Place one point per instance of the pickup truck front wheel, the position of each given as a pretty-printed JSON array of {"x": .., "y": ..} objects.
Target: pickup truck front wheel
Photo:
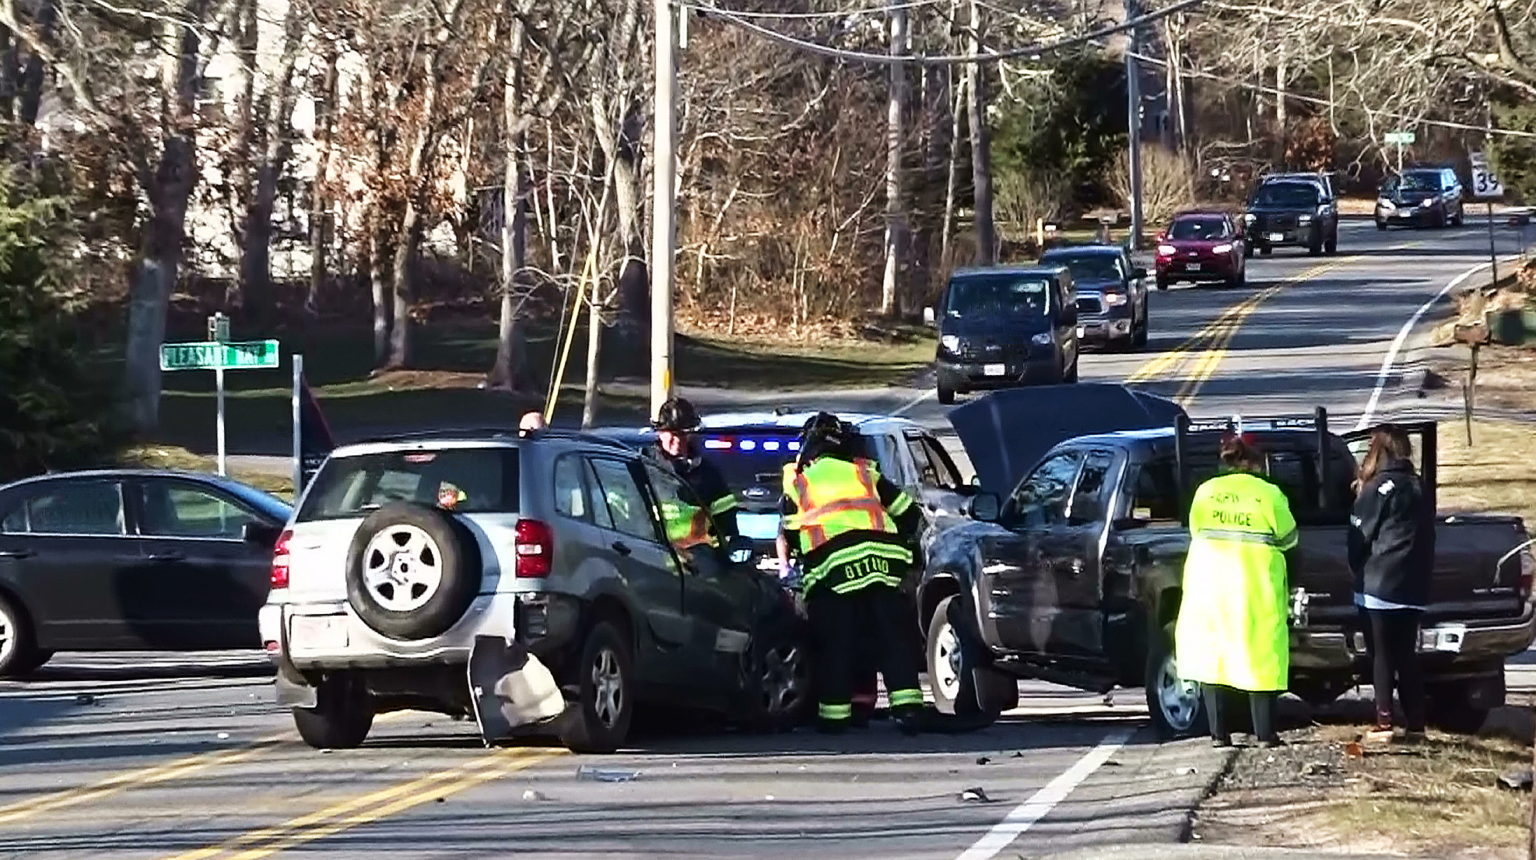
[
  {"x": 1175, "y": 704},
  {"x": 952, "y": 669}
]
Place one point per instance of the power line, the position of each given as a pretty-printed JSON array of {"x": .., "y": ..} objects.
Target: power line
[
  {"x": 1443, "y": 123},
  {"x": 845, "y": 13},
  {"x": 1029, "y": 51}
]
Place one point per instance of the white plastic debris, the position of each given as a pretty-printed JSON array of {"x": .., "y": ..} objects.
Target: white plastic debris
[
  {"x": 975, "y": 795},
  {"x": 223, "y": 736},
  {"x": 532, "y": 795},
  {"x": 606, "y": 775}
]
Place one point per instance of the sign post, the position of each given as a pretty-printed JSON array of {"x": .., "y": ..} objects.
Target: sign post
[
  {"x": 298, "y": 424},
  {"x": 1486, "y": 185},
  {"x": 218, "y": 332},
  {"x": 219, "y": 354},
  {"x": 1401, "y": 138}
]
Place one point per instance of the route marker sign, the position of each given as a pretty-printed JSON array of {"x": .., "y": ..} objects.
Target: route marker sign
[
  {"x": 211, "y": 355},
  {"x": 1485, "y": 183}
]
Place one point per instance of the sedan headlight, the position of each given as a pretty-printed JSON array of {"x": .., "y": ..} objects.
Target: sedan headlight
[
  {"x": 950, "y": 342},
  {"x": 1166, "y": 250},
  {"x": 1426, "y": 202},
  {"x": 1304, "y": 219},
  {"x": 1042, "y": 339},
  {"x": 1224, "y": 248},
  {"x": 1385, "y": 204}
]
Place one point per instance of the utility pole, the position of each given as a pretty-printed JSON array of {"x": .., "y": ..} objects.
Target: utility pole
[
  {"x": 895, "y": 213},
  {"x": 1133, "y": 122},
  {"x": 663, "y": 200}
]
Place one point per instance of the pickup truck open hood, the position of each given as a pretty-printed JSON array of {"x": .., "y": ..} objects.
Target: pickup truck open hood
[{"x": 1005, "y": 433}]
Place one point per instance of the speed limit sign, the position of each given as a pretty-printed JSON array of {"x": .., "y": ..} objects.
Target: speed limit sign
[{"x": 1485, "y": 183}]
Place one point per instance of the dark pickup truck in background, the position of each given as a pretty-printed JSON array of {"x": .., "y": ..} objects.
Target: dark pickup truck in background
[{"x": 1070, "y": 567}]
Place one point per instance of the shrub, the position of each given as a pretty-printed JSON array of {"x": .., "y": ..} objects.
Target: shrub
[
  {"x": 56, "y": 412},
  {"x": 1167, "y": 182}
]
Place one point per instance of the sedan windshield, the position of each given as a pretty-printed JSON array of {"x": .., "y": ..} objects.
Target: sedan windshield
[
  {"x": 1087, "y": 267},
  {"x": 1287, "y": 194},
  {"x": 1000, "y": 294},
  {"x": 1200, "y": 229}
]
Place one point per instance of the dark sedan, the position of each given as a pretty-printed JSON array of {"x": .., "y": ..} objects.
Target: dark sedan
[{"x": 131, "y": 560}]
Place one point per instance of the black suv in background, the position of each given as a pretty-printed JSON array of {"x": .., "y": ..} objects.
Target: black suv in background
[
  {"x": 1297, "y": 209},
  {"x": 1003, "y": 327},
  {"x": 1421, "y": 197}
]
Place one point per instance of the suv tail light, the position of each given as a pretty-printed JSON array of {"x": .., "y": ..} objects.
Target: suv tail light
[
  {"x": 535, "y": 549},
  {"x": 279, "y": 578}
]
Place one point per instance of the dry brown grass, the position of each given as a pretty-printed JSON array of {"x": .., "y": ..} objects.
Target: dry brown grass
[
  {"x": 1493, "y": 475},
  {"x": 1440, "y": 799},
  {"x": 180, "y": 459}
]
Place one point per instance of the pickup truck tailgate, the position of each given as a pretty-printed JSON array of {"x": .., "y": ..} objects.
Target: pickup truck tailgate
[{"x": 1469, "y": 582}]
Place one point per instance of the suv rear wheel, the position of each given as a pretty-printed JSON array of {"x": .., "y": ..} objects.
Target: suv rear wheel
[
  {"x": 342, "y": 715},
  {"x": 605, "y": 705},
  {"x": 412, "y": 571}
]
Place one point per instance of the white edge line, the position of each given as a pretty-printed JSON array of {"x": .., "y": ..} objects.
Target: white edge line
[
  {"x": 1039, "y": 804},
  {"x": 927, "y": 393},
  {"x": 1390, "y": 359}
]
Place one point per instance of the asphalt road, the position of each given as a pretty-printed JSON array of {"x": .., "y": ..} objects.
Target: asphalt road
[{"x": 185, "y": 755}]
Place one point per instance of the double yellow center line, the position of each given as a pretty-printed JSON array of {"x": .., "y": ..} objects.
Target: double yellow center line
[
  {"x": 136, "y": 778},
  {"x": 368, "y": 808},
  {"x": 1205, "y": 350}
]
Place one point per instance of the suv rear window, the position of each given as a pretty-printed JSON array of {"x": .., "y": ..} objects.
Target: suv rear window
[{"x": 468, "y": 480}]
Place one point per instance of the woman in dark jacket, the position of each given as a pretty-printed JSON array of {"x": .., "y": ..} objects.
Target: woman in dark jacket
[{"x": 1391, "y": 551}]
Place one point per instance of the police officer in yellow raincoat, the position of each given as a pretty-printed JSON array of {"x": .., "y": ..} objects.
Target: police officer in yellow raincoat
[{"x": 1231, "y": 633}]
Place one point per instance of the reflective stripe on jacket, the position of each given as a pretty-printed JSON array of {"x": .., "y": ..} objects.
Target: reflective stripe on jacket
[
  {"x": 1231, "y": 628},
  {"x": 846, "y": 534}
]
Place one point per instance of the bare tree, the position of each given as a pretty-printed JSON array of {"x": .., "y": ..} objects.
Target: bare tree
[{"x": 156, "y": 128}]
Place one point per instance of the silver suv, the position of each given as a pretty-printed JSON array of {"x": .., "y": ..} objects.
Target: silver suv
[{"x": 412, "y": 564}]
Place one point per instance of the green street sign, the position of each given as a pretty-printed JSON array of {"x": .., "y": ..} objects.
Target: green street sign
[
  {"x": 207, "y": 355},
  {"x": 1399, "y": 137}
]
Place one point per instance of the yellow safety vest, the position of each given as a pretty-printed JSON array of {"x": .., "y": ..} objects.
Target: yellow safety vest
[
  {"x": 1232, "y": 618},
  {"x": 686, "y": 526},
  {"x": 835, "y": 497}
]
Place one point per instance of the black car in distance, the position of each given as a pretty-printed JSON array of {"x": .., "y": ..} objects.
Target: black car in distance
[
  {"x": 1293, "y": 210},
  {"x": 1421, "y": 197},
  {"x": 1003, "y": 326},
  {"x": 132, "y": 560}
]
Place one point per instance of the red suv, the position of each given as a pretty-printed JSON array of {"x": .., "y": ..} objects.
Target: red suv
[{"x": 1202, "y": 246}]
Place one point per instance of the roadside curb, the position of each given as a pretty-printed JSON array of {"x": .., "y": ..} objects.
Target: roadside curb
[{"x": 1201, "y": 852}]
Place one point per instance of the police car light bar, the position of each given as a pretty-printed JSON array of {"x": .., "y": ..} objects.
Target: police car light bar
[{"x": 727, "y": 444}]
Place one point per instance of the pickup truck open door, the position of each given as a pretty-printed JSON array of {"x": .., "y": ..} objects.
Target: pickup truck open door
[{"x": 1043, "y": 587}]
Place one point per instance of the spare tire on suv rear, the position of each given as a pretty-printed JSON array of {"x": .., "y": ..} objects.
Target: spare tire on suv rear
[{"x": 412, "y": 571}]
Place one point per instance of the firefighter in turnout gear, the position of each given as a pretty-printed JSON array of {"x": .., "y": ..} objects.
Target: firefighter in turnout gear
[
  {"x": 853, "y": 531},
  {"x": 676, "y": 425}
]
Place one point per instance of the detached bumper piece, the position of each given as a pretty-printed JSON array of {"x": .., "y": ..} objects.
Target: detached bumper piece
[{"x": 510, "y": 688}]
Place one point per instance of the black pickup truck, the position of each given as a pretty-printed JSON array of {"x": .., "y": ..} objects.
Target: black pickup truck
[{"x": 1070, "y": 566}]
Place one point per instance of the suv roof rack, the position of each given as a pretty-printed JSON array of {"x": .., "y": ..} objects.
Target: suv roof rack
[
  {"x": 445, "y": 433},
  {"x": 1184, "y": 427}
]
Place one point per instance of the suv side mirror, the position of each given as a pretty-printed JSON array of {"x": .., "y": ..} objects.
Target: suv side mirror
[
  {"x": 1139, "y": 273},
  {"x": 929, "y": 317},
  {"x": 983, "y": 507}
]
